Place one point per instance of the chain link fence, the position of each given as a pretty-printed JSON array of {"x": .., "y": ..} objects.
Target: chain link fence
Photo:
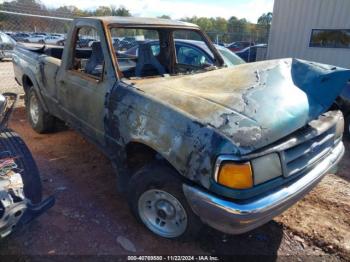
[{"x": 34, "y": 29}]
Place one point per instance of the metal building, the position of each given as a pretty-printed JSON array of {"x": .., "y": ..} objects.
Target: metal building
[{"x": 316, "y": 30}]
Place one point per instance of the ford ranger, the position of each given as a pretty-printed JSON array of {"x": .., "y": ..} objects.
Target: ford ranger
[{"x": 191, "y": 139}]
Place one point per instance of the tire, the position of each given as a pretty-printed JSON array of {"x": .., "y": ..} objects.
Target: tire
[
  {"x": 12, "y": 143},
  {"x": 41, "y": 121},
  {"x": 169, "y": 215}
]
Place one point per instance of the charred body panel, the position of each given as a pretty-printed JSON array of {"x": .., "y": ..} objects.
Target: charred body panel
[{"x": 191, "y": 120}]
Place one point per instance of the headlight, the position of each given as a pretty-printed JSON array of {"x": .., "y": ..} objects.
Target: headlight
[
  {"x": 235, "y": 175},
  {"x": 339, "y": 128},
  {"x": 245, "y": 175},
  {"x": 266, "y": 168}
]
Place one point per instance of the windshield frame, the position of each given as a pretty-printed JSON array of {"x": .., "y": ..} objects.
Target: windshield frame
[{"x": 218, "y": 60}]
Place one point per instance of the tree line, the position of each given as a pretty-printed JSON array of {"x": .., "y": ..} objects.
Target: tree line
[{"x": 218, "y": 28}]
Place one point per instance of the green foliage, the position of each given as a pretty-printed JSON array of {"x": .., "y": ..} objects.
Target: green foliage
[
  {"x": 265, "y": 19},
  {"x": 233, "y": 29}
]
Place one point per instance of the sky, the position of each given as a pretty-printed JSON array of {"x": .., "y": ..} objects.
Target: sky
[{"x": 176, "y": 9}]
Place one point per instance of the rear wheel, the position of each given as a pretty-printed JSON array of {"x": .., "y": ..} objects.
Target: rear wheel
[
  {"x": 11, "y": 142},
  {"x": 156, "y": 199},
  {"x": 41, "y": 121}
]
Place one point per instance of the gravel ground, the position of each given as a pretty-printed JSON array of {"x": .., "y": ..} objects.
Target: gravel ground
[
  {"x": 7, "y": 82},
  {"x": 91, "y": 218}
]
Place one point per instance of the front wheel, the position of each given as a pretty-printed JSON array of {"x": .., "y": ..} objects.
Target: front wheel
[
  {"x": 156, "y": 199},
  {"x": 41, "y": 121}
]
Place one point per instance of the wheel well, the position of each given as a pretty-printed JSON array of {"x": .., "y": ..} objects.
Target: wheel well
[
  {"x": 138, "y": 155},
  {"x": 27, "y": 83}
]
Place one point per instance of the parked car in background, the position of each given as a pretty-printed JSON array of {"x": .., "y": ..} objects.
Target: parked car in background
[
  {"x": 85, "y": 42},
  {"x": 7, "y": 44},
  {"x": 39, "y": 34},
  {"x": 193, "y": 52},
  {"x": 249, "y": 54},
  {"x": 36, "y": 39},
  {"x": 54, "y": 40},
  {"x": 239, "y": 45},
  {"x": 21, "y": 37}
]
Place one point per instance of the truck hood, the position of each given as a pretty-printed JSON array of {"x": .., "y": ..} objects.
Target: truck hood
[{"x": 252, "y": 104}]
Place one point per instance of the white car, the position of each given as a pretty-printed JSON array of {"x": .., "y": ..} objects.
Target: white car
[
  {"x": 54, "y": 40},
  {"x": 36, "y": 39}
]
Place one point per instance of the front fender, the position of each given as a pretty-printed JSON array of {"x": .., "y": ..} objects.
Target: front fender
[{"x": 190, "y": 147}]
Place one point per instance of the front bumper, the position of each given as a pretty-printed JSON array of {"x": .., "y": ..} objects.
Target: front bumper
[{"x": 240, "y": 217}]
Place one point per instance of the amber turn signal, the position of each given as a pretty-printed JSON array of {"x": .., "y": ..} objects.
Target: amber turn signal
[{"x": 236, "y": 175}]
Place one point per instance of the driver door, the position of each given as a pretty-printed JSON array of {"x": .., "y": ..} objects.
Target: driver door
[{"x": 84, "y": 80}]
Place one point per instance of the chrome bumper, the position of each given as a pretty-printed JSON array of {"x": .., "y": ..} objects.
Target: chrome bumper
[{"x": 236, "y": 218}]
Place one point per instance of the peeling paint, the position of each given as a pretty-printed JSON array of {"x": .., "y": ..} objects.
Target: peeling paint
[{"x": 190, "y": 120}]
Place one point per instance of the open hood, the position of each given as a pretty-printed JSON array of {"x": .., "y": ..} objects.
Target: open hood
[{"x": 253, "y": 104}]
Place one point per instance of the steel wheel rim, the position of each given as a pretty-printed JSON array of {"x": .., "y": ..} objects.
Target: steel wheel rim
[
  {"x": 162, "y": 213},
  {"x": 34, "y": 109}
]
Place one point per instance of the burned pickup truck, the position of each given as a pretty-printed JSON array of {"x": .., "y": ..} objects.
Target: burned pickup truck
[{"x": 191, "y": 139}]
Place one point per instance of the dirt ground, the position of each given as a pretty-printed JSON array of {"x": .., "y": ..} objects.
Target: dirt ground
[{"x": 91, "y": 218}]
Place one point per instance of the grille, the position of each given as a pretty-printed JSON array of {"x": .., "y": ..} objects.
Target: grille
[{"x": 306, "y": 154}]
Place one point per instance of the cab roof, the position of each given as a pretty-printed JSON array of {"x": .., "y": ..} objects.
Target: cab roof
[{"x": 143, "y": 21}]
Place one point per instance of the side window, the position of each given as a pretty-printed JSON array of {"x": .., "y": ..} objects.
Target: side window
[
  {"x": 190, "y": 55},
  {"x": 191, "y": 49},
  {"x": 88, "y": 55}
]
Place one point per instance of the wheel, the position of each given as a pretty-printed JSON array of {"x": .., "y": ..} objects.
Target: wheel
[
  {"x": 12, "y": 143},
  {"x": 156, "y": 199},
  {"x": 41, "y": 121}
]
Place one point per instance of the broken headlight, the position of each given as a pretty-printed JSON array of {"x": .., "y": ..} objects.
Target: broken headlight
[{"x": 266, "y": 168}]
